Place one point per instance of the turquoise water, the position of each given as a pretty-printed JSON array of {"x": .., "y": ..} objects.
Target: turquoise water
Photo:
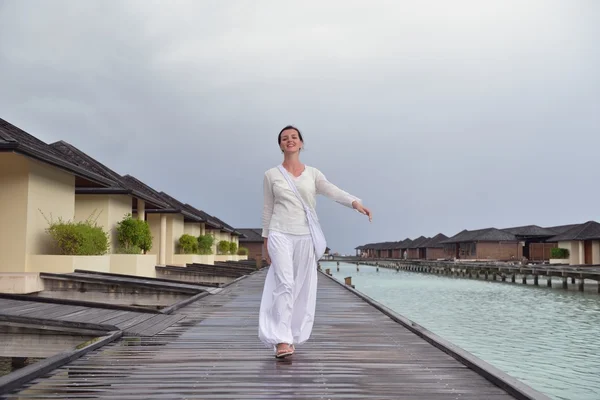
[{"x": 546, "y": 338}]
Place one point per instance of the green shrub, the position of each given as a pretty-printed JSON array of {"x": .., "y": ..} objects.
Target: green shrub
[
  {"x": 223, "y": 247},
  {"x": 205, "y": 243},
  {"x": 133, "y": 234},
  {"x": 557, "y": 252},
  {"x": 188, "y": 244},
  {"x": 233, "y": 248},
  {"x": 130, "y": 250},
  {"x": 83, "y": 238},
  {"x": 242, "y": 251}
]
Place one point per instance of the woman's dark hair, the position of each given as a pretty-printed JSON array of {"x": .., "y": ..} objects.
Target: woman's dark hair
[{"x": 285, "y": 129}]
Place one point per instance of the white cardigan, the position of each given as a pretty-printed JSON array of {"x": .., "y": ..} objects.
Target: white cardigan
[{"x": 283, "y": 212}]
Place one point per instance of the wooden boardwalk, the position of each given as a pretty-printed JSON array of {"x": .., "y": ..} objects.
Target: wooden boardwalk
[
  {"x": 356, "y": 352},
  {"x": 35, "y": 313},
  {"x": 499, "y": 271}
]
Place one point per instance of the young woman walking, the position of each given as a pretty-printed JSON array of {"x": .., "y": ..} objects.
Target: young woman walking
[{"x": 287, "y": 309}]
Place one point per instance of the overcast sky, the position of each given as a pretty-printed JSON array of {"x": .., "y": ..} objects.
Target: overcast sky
[{"x": 440, "y": 115}]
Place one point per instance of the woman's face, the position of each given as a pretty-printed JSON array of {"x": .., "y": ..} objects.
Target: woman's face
[{"x": 290, "y": 141}]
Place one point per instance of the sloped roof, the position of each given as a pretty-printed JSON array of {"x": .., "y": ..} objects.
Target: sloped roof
[
  {"x": 482, "y": 235},
  {"x": 530, "y": 230},
  {"x": 562, "y": 228},
  {"x": 210, "y": 220},
  {"x": 405, "y": 244},
  {"x": 180, "y": 207},
  {"x": 388, "y": 245},
  {"x": 83, "y": 160},
  {"x": 587, "y": 231},
  {"x": 417, "y": 242},
  {"x": 251, "y": 235},
  {"x": 141, "y": 187},
  {"x": 226, "y": 226},
  {"x": 366, "y": 246},
  {"x": 434, "y": 242},
  {"x": 17, "y": 140}
]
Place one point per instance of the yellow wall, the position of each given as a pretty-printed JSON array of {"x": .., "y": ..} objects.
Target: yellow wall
[
  {"x": 134, "y": 264},
  {"x": 217, "y": 234},
  {"x": 573, "y": 247},
  {"x": 192, "y": 228},
  {"x": 67, "y": 264},
  {"x": 14, "y": 173},
  {"x": 53, "y": 192},
  {"x": 175, "y": 228},
  {"x": 30, "y": 188},
  {"x": 154, "y": 222},
  {"x": 596, "y": 252},
  {"x": 108, "y": 210}
]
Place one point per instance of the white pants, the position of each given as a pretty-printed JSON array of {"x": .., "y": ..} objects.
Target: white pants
[{"x": 287, "y": 309}]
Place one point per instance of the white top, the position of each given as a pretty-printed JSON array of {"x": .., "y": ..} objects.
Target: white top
[{"x": 283, "y": 211}]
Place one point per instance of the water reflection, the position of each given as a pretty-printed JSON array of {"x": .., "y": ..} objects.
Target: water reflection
[{"x": 547, "y": 338}]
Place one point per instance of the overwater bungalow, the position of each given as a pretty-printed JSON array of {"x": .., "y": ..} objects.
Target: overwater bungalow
[
  {"x": 484, "y": 244},
  {"x": 582, "y": 241},
  {"x": 433, "y": 249}
]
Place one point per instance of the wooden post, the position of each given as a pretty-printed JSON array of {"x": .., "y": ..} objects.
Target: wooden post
[
  {"x": 524, "y": 279},
  {"x": 565, "y": 284},
  {"x": 503, "y": 277},
  {"x": 581, "y": 283},
  {"x": 348, "y": 281},
  {"x": 549, "y": 281},
  {"x": 573, "y": 280},
  {"x": 258, "y": 260},
  {"x": 535, "y": 280},
  {"x": 513, "y": 277},
  {"x": 18, "y": 362}
]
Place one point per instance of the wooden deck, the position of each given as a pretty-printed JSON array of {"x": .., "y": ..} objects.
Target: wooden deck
[
  {"x": 82, "y": 318},
  {"x": 356, "y": 352}
]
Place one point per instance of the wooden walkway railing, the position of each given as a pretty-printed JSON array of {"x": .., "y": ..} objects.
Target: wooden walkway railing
[{"x": 357, "y": 351}]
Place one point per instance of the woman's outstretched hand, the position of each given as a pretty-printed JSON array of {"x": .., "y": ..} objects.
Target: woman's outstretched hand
[{"x": 363, "y": 210}]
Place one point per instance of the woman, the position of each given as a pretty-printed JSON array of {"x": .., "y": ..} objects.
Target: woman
[{"x": 289, "y": 296}]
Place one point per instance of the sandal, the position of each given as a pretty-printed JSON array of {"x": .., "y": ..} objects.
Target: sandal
[{"x": 285, "y": 351}]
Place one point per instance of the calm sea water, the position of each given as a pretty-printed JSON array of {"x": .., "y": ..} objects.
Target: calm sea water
[{"x": 547, "y": 338}]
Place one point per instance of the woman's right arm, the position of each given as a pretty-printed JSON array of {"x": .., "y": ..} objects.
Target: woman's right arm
[{"x": 268, "y": 201}]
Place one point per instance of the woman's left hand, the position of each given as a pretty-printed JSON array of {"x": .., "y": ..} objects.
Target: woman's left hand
[{"x": 363, "y": 210}]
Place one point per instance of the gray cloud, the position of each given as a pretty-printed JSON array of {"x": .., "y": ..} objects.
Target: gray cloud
[{"x": 440, "y": 116}]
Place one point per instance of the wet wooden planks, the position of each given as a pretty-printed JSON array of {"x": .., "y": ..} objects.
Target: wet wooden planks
[
  {"x": 355, "y": 352},
  {"x": 131, "y": 322}
]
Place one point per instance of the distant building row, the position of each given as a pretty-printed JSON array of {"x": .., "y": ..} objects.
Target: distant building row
[
  {"x": 531, "y": 242},
  {"x": 40, "y": 181}
]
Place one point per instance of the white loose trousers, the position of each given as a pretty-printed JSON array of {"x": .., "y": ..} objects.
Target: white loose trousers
[{"x": 287, "y": 309}]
